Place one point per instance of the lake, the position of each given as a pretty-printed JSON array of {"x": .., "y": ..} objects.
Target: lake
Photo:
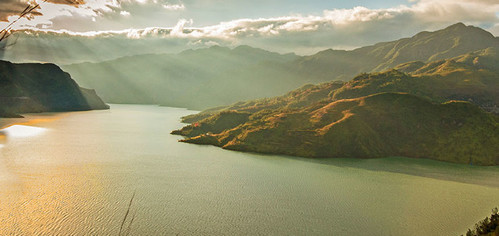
[{"x": 75, "y": 174}]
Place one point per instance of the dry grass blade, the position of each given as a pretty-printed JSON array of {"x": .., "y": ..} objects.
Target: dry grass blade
[
  {"x": 3, "y": 35},
  {"x": 5, "y": 32},
  {"x": 129, "y": 228},
  {"x": 126, "y": 214}
]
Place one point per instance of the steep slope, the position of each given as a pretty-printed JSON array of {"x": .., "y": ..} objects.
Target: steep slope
[
  {"x": 447, "y": 43},
  {"x": 470, "y": 77},
  {"x": 380, "y": 125},
  {"x": 42, "y": 87},
  {"x": 194, "y": 78}
]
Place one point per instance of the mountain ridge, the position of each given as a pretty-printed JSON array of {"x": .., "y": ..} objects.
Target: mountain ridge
[
  {"x": 425, "y": 46},
  {"x": 221, "y": 76}
]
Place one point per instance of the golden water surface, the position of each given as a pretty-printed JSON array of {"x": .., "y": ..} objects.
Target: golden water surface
[{"x": 75, "y": 173}]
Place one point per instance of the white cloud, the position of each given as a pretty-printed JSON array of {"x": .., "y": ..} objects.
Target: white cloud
[
  {"x": 89, "y": 9},
  {"x": 174, "y": 7},
  {"x": 452, "y": 10},
  {"x": 336, "y": 28},
  {"x": 125, "y": 13},
  {"x": 178, "y": 30},
  {"x": 361, "y": 14},
  {"x": 423, "y": 13}
]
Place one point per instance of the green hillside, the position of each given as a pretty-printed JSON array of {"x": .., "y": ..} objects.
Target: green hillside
[
  {"x": 472, "y": 77},
  {"x": 440, "y": 110},
  {"x": 380, "y": 125}
]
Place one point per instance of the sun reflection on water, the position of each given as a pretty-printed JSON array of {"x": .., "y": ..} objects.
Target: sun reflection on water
[
  {"x": 22, "y": 131},
  {"x": 3, "y": 138}
]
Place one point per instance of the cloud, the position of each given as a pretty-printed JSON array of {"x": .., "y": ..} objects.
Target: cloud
[
  {"x": 174, "y": 7},
  {"x": 124, "y": 13},
  {"x": 424, "y": 14},
  {"x": 452, "y": 10},
  {"x": 68, "y": 2},
  {"x": 11, "y": 7},
  {"x": 109, "y": 14},
  {"x": 304, "y": 34},
  {"x": 15, "y": 7}
]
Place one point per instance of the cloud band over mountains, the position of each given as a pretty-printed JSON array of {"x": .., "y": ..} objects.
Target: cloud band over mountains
[{"x": 304, "y": 34}]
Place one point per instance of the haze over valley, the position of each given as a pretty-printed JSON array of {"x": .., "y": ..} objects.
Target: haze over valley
[
  {"x": 163, "y": 117},
  {"x": 214, "y": 76}
]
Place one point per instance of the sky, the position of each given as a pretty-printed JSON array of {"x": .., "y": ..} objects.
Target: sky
[{"x": 302, "y": 26}]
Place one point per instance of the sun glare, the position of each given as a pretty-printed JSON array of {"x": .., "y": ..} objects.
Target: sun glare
[{"x": 22, "y": 131}]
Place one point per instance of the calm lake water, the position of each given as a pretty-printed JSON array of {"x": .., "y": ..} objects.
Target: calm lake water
[{"x": 75, "y": 173}]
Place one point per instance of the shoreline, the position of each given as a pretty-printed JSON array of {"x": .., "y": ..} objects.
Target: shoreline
[
  {"x": 30, "y": 119},
  {"x": 8, "y": 122}
]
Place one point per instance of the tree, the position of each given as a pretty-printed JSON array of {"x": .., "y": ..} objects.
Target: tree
[{"x": 487, "y": 226}]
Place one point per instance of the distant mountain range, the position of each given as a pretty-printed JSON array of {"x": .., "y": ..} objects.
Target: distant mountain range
[
  {"x": 441, "y": 109},
  {"x": 38, "y": 46},
  {"x": 425, "y": 46},
  {"x": 204, "y": 78},
  {"x": 194, "y": 79},
  {"x": 472, "y": 77},
  {"x": 27, "y": 88}
]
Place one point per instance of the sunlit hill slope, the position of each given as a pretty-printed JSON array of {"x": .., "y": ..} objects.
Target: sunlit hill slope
[{"x": 392, "y": 113}]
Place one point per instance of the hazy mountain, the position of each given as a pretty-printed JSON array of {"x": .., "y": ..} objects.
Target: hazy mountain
[
  {"x": 194, "y": 78},
  {"x": 450, "y": 42},
  {"x": 380, "y": 125},
  {"x": 66, "y": 48},
  {"x": 42, "y": 87},
  {"x": 220, "y": 76},
  {"x": 472, "y": 77}
]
